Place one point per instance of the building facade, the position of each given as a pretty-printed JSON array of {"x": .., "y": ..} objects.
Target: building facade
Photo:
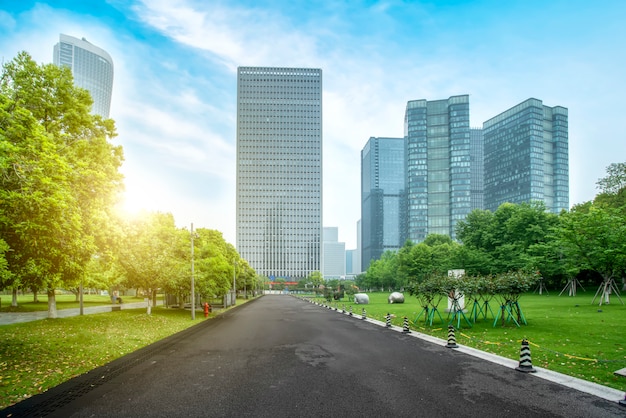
[
  {"x": 526, "y": 156},
  {"x": 92, "y": 68},
  {"x": 334, "y": 258},
  {"x": 438, "y": 182},
  {"x": 382, "y": 197},
  {"x": 279, "y": 170},
  {"x": 477, "y": 169}
]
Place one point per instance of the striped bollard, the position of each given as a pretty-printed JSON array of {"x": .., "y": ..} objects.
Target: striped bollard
[
  {"x": 405, "y": 326},
  {"x": 525, "y": 362},
  {"x": 350, "y": 310},
  {"x": 388, "y": 320},
  {"x": 451, "y": 337},
  {"x": 363, "y": 314},
  {"x": 343, "y": 308}
]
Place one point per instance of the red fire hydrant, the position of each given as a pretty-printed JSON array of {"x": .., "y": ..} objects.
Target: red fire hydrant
[{"x": 206, "y": 309}]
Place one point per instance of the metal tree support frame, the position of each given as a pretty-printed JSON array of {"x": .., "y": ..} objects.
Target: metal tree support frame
[
  {"x": 457, "y": 310},
  {"x": 479, "y": 308},
  {"x": 513, "y": 313},
  {"x": 541, "y": 287},
  {"x": 606, "y": 287},
  {"x": 571, "y": 286},
  {"x": 429, "y": 308}
]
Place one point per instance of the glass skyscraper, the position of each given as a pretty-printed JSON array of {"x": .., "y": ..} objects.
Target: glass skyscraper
[
  {"x": 92, "y": 68},
  {"x": 477, "y": 169},
  {"x": 279, "y": 170},
  {"x": 437, "y": 139},
  {"x": 382, "y": 197},
  {"x": 526, "y": 156}
]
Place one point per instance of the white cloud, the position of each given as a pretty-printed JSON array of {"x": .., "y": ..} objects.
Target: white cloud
[{"x": 177, "y": 118}]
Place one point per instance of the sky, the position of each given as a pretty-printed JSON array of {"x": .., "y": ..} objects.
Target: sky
[{"x": 175, "y": 82}]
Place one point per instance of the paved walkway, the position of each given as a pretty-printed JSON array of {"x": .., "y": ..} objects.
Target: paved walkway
[{"x": 7, "y": 318}]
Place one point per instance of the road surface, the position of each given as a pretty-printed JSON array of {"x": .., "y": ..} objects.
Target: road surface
[{"x": 279, "y": 356}]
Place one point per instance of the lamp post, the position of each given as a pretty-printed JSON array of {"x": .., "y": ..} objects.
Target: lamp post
[
  {"x": 193, "y": 295},
  {"x": 235, "y": 281}
]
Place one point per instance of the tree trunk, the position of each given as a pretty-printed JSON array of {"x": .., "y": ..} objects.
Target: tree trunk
[
  {"x": 149, "y": 305},
  {"x": 154, "y": 297},
  {"x": 52, "y": 304},
  {"x": 14, "y": 298},
  {"x": 35, "y": 294}
]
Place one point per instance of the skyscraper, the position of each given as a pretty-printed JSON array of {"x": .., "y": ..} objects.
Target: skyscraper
[
  {"x": 92, "y": 68},
  {"x": 334, "y": 260},
  {"x": 526, "y": 156},
  {"x": 279, "y": 170},
  {"x": 382, "y": 197},
  {"x": 477, "y": 169},
  {"x": 437, "y": 137}
]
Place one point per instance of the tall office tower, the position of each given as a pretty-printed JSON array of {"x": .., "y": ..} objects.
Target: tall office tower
[
  {"x": 334, "y": 260},
  {"x": 92, "y": 68},
  {"x": 382, "y": 197},
  {"x": 357, "y": 264},
  {"x": 477, "y": 169},
  {"x": 526, "y": 156},
  {"x": 437, "y": 137},
  {"x": 279, "y": 170}
]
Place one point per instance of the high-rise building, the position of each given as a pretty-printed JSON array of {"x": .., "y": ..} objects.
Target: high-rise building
[
  {"x": 92, "y": 68},
  {"x": 477, "y": 169},
  {"x": 357, "y": 265},
  {"x": 526, "y": 156},
  {"x": 334, "y": 259},
  {"x": 437, "y": 136},
  {"x": 382, "y": 197},
  {"x": 351, "y": 257},
  {"x": 279, "y": 170}
]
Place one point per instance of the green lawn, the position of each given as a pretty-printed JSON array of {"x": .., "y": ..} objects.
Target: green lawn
[
  {"x": 566, "y": 334},
  {"x": 25, "y": 303}
]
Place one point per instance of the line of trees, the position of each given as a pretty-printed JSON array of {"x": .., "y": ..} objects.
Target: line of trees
[
  {"x": 59, "y": 187},
  {"x": 587, "y": 242}
]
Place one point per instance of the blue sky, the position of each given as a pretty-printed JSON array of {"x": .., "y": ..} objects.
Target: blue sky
[{"x": 175, "y": 80}]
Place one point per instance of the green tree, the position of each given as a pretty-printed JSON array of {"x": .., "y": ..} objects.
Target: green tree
[
  {"x": 506, "y": 235},
  {"x": 61, "y": 174},
  {"x": 594, "y": 239},
  {"x": 152, "y": 254},
  {"x": 613, "y": 187},
  {"x": 316, "y": 279},
  {"x": 216, "y": 261}
]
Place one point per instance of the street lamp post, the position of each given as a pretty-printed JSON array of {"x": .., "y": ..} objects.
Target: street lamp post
[
  {"x": 193, "y": 295},
  {"x": 235, "y": 281}
]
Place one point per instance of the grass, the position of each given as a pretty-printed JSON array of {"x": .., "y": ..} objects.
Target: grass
[
  {"x": 568, "y": 335},
  {"x": 25, "y": 303},
  {"x": 38, "y": 355}
]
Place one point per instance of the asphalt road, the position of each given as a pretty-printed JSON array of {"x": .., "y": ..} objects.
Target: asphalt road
[{"x": 279, "y": 356}]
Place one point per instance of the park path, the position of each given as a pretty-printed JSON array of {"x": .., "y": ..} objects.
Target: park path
[{"x": 7, "y": 318}]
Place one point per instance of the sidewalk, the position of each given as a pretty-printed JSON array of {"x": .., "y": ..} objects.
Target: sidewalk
[{"x": 7, "y": 318}]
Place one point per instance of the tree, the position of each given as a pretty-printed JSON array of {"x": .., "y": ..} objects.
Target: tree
[
  {"x": 152, "y": 254},
  {"x": 613, "y": 187},
  {"x": 216, "y": 261},
  {"x": 506, "y": 235},
  {"x": 316, "y": 279},
  {"x": 594, "y": 239},
  {"x": 61, "y": 175}
]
